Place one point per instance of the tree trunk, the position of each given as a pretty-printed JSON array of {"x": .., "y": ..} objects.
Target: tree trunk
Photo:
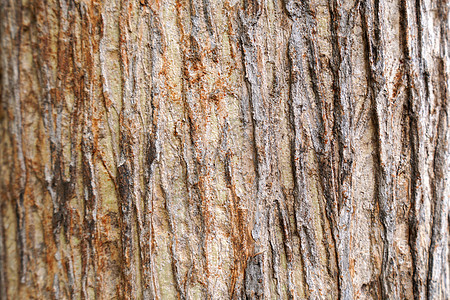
[{"x": 234, "y": 149}]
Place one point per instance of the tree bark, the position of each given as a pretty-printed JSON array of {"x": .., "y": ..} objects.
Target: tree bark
[{"x": 234, "y": 149}]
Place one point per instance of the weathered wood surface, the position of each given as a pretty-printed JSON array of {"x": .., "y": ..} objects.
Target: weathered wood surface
[{"x": 201, "y": 149}]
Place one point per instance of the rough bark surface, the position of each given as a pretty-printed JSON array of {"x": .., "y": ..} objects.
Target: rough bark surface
[{"x": 234, "y": 149}]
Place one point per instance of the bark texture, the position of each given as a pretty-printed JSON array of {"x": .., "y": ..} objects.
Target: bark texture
[{"x": 233, "y": 149}]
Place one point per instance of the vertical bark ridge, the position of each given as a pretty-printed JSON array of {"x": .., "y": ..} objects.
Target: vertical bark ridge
[
  {"x": 150, "y": 154},
  {"x": 346, "y": 17},
  {"x": 438, "y": 251},
  {"x": 372, "y": 33},
  {"x": 256, "y": 284},
  {"x": 415, "y": 178},
  {"x": 195, "y": 56},
  {"x": 18, "y": 177},
  {"x": 302, "y": 96},
  {"x": 383, "y": 112},
  {"x": 417, "y": 97},
  {"x": 131, "y": 140}
]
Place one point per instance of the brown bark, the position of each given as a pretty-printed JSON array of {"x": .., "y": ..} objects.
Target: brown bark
[{"x": 235, "y": 149}]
